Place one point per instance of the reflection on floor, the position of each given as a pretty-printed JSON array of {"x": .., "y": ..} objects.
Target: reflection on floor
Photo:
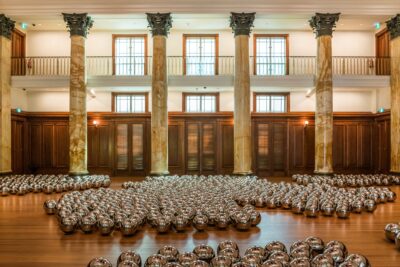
[{"x": 28, "y": 235}]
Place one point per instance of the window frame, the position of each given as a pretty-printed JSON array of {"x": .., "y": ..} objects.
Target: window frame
[
  {"x": 115, "y": 94},
  {"x": 255, "y": 36},
  {"x": 184, "y": 95},
  {"x": 187, "y": 36},
  {"x": 285, "y": 94},
  {"x": 144, "y": 36}
]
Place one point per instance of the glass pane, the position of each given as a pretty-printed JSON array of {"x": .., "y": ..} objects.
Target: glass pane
[
  {"x": 271, "y": 56},
  {"x": 130, "y": 103},
  {"x": 129, "y": 55},
  {"x": 137, "y": 146},
  {"x": 122, "y": 146},
  {"x": 200, "y": 56},
  {"x": 201, "y": 103},
  {"x": 277, "y": 103},
  {"x": 271, "y": 103},
  {"x": 122, "y": 103},
  {"x": 193, "y": 103},
  {"x": 138, "y": 103}
]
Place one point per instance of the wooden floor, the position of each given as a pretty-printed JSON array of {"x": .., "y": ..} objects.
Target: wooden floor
[{"x": 28, "y": 237}]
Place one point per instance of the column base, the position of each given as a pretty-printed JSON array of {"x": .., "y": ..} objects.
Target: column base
[
  {"x": 5, "y": 173},
  {"x": 242, "y": 173},
  {"x": 74, "y": 174},
  {"x": 322, "y": 173},
  {"x": 159, "y": 174},
  {"x": 395, "y": 173}
]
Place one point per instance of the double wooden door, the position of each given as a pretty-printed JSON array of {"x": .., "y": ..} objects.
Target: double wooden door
[
  {"x": 131, "y": 146},
  {"x": 18, "y": 53},
  {"x": 383, "y": 53},
  {"x": 201, "y": 147},
  {"x": 270, "y": 150}
]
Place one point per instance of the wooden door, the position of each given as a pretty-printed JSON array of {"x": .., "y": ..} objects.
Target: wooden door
[
  {"x": 18, "y": 160},
  {"x": 383, "y": 53},
  {"x": 130, "y": 148},
  {"x": 270, "y": 148},
  {"x": 17, "y": 53},
  {"x": 201, "y": 148}
]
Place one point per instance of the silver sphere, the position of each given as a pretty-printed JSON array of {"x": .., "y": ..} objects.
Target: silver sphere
[
  {"x": 99, "y": 262},
  {"x": 50, "y": 206}
]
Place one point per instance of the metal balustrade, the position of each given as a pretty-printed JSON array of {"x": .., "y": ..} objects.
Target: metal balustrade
[{"x": 177, "y": 65}]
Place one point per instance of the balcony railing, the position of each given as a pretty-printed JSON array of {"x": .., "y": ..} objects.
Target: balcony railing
[{"x": 177, "y": 65}]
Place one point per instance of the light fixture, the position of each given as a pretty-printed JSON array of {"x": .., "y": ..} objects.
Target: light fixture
[
  {"x": 24, "y": 25},
  {"x": 306, "y": 123},
  {"x": 96, "y": 123},
  {"x": 381, "y": 110},
  {"x": 310, "y": 92},
  {"x": 92, "y": 93},
  {"x": 377, "y": 25},
  {"x": 18, "y": 110}
]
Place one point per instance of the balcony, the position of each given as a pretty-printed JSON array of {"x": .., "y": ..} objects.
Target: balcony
[{"x": 296, "y": 71}]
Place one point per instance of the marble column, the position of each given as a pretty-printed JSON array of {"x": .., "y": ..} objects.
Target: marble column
[
  {"x": 160, "y": 25},
  {"x": 6, "y": 28},
  {"x": 323, "y": 25},
  {"x": 241, "y": 24},
  {"x": 78, "y": 25},
  {"x": 393, "y": 26}
]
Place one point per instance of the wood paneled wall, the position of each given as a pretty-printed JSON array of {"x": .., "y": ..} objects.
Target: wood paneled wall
[{"x": 200, "y": 143}]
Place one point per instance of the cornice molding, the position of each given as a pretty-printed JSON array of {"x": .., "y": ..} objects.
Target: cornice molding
[{"x": 351, "y": 8}]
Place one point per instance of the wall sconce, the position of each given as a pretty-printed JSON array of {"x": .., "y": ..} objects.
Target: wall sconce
[
  {"x": 306, "y": 123},
  {"x": 96, "y": 123}
]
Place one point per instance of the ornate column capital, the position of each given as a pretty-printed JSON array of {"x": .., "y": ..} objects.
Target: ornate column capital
[
  {"x": 160, "y": 23},
  {"x": 324, "y": 23},
  {"x": 241, "y": 23},
  {"x": 393, "y": 26},
  {"x": 6, "y": 26},
  {"x": 78, "y": 24}
]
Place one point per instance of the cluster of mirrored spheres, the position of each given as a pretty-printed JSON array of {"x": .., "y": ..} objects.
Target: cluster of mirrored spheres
[
  {"x": 348, "y": 180},
  {"x": 392, "y": 233},
  {"x": 165, "y": 203},
  {"x": 309, "y": 252},
  {"x": 48, "y": 184},
  {"x": 179, "y": 202}
]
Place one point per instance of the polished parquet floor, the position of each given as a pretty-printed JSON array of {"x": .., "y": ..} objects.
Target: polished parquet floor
[{"x": 29, "y": 237}]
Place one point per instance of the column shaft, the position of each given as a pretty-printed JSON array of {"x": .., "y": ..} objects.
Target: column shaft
[
  {"x": 78, "y": 113},
  {"x": 323, "y": 112},
  {"x": 5, "y": 105},
  {"x": 242, "y": 113},
  {"x": 159, "y": 110},
  {"x": 395, "y": 106}
]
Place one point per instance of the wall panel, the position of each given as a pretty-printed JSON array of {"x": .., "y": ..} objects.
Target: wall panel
[{"x": 201, "y": 143}]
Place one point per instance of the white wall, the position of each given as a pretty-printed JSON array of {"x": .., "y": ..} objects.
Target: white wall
[
  {"x": 19, "y": 99},
  {"x": 383, "y": 98},
  {"x": 343, "y": 101},
  {"x": 301, "y": 43}
]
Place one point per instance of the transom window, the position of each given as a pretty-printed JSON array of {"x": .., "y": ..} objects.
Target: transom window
[
  {"x": 273, "y": 102},
  {"x": 271, "y": 54},
  {"x": 130, "y": 102},
  {"x": 200, "y": 54},
  {"x": 130, "y": 54},
  {"x": 200, "y": 102}
]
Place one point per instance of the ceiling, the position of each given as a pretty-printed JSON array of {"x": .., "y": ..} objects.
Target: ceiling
[
  {"x": 200, "y": 15},
  {"x": 201, "y": 22}
]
